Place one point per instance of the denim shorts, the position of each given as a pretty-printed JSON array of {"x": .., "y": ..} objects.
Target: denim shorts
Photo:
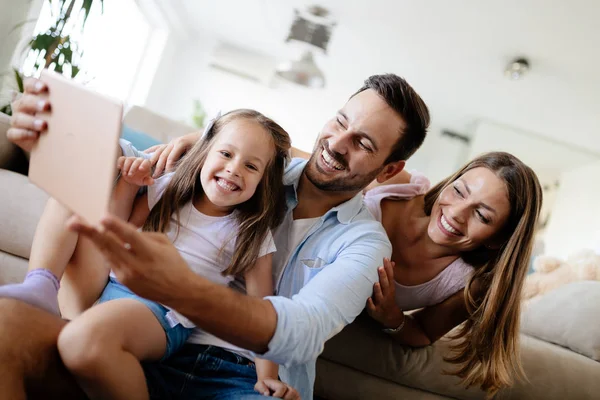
[{"x": 176, "y": 335}]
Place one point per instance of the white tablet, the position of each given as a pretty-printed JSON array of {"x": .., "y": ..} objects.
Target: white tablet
[{"x": 74, "y": 161}]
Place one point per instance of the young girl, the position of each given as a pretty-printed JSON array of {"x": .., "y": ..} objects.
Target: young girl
[{"x": 218, "y": 208}]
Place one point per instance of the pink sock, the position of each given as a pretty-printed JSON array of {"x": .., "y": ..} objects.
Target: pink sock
[{"x": 40, "y": 289}]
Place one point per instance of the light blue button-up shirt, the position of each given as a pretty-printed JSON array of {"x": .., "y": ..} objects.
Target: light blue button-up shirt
[{"x": 325, "y": 283}]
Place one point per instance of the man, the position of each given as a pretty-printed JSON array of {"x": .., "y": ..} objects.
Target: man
[{"x": 329, "y": 249}]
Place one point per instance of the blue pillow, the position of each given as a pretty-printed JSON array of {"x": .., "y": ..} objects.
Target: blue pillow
[{"x": 139, "y": 140}]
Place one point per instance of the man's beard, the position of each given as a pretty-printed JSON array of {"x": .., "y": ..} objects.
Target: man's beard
[{"x": 341, "y": 184}]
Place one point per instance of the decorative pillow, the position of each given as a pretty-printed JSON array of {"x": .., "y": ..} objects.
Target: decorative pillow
[
  {"x": 139, "y": 140},
  {"x": 567, "y": 316}
]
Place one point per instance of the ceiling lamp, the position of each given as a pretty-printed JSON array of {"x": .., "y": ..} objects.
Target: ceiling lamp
[
  {"x": 517, "y": 68},
  {"x": 302, "y": 71},
  {"x": 311, "y": 29}
]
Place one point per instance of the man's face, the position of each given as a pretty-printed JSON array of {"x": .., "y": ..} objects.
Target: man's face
[{"x": 353, "y": 146}]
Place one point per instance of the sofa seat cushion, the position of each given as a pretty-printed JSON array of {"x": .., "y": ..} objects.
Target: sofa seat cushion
[
  {"x": 21, "y": 206},
  {"x": 553, "y": 372}
]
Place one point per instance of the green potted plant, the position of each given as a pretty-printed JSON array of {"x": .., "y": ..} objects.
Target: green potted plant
[{"x": 54, "y": 48}]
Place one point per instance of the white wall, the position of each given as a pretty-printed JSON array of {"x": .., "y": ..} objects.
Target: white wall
[
  {"x": 575, "y": 220},
  {"x": 13, "y": 13},
  {"x": 184, "y": 75}
]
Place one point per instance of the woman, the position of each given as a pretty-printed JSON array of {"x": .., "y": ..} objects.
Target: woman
[{"x": 460, "y": 254}]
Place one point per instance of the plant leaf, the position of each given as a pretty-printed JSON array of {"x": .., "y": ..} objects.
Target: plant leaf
[{"x": 19, "y": 80}]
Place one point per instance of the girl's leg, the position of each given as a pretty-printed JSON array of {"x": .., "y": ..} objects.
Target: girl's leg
[
  {"x": 103, "y": 348},
  {"x": 52, "y": 248},
  {"x": 58, "y": 255}
]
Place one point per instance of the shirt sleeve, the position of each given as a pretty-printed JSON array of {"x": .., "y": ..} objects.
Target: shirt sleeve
[
  {"x": 268, "y": 245},
  {"x": 129, "y": 150},
  {"x": 330, "y": 301},
  {"x": 156, "y": 191}
]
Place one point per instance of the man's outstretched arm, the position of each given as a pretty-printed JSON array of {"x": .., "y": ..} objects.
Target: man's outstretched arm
[{"x": 151, "y": 266}]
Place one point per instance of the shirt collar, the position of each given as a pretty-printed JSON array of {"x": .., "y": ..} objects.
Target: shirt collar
[{"x": 345, "y": 212}]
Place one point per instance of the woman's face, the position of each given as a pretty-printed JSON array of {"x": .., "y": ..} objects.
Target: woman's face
[{"x": 470, "y": 211}]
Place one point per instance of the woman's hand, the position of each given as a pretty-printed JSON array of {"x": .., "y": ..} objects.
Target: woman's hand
[
  {"x": 166, "y": 155},
  {"x": 135, "y": 170},
  {"x": 382, "y": 305},
  {"x": 276, "y": 388},
  {"x": 25, "y": 127}
]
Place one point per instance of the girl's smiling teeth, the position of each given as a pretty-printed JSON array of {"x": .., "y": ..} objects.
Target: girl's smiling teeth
[
  {"x": 446, "y": 225},
  {"x": 227, "y": 185},
  {"x": 330, "y": 161}
]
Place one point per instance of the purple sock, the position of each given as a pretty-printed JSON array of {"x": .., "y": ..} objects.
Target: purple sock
[{"x": 40, "y": 289}]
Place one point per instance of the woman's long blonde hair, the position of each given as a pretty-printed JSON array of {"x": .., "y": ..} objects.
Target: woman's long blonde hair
[
  {"x": 255, "y": 217},
  {"x": 487, "y": 352}
]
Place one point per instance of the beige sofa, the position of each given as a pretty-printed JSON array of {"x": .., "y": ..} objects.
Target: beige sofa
[{"x": 360, "y": 362}]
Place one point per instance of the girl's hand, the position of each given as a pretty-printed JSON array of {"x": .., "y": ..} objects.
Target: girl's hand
[
  {"x": 276, "y": 388},
  {"x": 382, "y": 305},
  {"x": 166, "y": 155},
  {"x": 136, "y": 170}
]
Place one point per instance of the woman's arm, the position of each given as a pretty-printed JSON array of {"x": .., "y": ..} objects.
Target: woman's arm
[
  {"x": 426, "y": 326},
  {"x": 422, "y": 327}
]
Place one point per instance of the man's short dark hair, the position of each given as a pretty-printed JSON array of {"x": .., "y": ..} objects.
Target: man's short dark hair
[{"x": 400, "y": 96}]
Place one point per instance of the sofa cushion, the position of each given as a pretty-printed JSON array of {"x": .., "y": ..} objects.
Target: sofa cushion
[
  {"x": 567, "y": 316},
  {"x": 139, "y": 140},
  {"x": 21, "y": 206},
  {"x": 553, "y": 372},
  {"x": 12, "y": 268}
]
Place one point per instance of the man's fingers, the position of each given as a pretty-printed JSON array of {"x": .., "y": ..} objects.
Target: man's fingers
[
  {"x": 115, "y": 251},
  {"x": 127, "y": 233}
]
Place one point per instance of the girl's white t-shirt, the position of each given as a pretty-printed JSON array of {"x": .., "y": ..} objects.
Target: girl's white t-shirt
[{"x": 207, "y": 244}]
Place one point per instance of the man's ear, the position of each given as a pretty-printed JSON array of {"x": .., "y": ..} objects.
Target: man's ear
[{"x": 390, "y": 170}]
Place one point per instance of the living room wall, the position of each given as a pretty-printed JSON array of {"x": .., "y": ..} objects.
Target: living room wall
[
  {"x": 14, "y": 13},
  {"x": 575, "y": 220},
  {"x": 184, "y": 75}
]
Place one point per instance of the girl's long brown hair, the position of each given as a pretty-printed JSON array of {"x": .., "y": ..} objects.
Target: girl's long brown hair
[
  {"x": 255, "y": 217},
  {"x": 487, "y": 352}
]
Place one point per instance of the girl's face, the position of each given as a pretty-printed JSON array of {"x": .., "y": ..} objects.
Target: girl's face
[
  {"x": 470, "y": 211},
  {"x": 235, "y": 165}
]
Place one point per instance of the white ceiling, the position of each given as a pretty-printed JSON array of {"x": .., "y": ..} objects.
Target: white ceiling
[{"x": 452, "y": 52}]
